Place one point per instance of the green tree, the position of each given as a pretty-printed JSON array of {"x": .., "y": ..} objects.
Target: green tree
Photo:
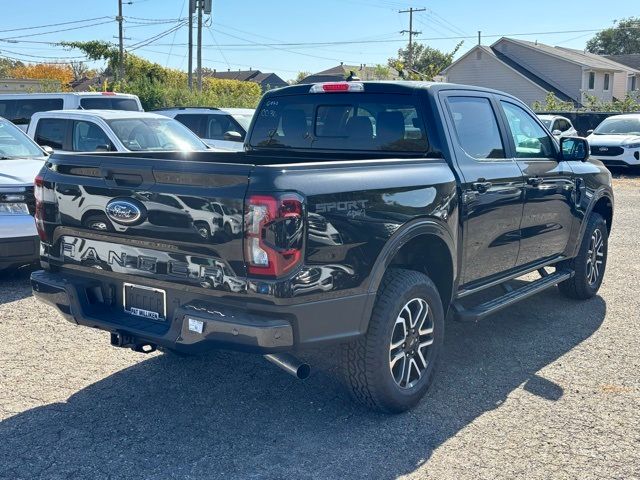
[
  {"x": 299, "y": 77},
  {"x": 426, "y": 62},
  {"x": 623, "y": 38},
  {"x": 382, "y": 72},
  {"x": 552, "y": 104},
  {"x": 7, "y": 66}
]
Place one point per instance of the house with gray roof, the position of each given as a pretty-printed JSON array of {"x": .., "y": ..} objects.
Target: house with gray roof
[
  {"x": 267, "y": 81},
  {"x": 341, "y": 72},
  {"x": 530, "y": 70}
]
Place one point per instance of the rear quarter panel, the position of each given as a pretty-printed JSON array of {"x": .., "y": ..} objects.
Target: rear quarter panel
[{"x": 353, "y": 210}]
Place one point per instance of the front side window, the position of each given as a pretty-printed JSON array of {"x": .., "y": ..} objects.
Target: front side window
[
  {"x": 218, "y": 125},
  {"x": 606, "y": 81},
  {"x": 592, "y": 80},
  {"x": 476, "y": 127},
  {"x": 345, "y": 121},
  {"x": 89, "y": 137},
  {"x": 530, "y": 139},
  {"x": 51, "y": 132},
  {"x": 14, "y": 143},
  {"x": 145, "y": 134}
]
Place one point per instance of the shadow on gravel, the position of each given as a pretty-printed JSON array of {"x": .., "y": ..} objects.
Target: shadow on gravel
[
  {"x": 231, "y": 415},
  {"x": 14, "y": 284}
]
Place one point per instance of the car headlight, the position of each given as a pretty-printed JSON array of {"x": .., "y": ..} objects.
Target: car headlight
[
  {"x": 632, "y": 144},
  {"x": 14, "y": 209}
]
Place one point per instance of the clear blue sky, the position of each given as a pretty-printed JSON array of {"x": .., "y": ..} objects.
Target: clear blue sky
[{"x": 239, "y": 26}]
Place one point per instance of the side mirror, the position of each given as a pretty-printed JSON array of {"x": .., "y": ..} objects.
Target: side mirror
[
  {"x": 233, "y": 136},
  {"x": 574, "y": 148},
  {"x": 47, "y": 149},
  {"x": 589, "y": 132},
  {"x": 557, "y": 132}
]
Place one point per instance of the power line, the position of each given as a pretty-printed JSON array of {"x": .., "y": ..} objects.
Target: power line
[
  {"x": 56, "y": 31},
  {"x": 158, "y": 36},
  {"x": 53, "y": 24}
]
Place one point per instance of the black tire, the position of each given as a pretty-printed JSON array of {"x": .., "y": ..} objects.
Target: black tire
[
  {"x": 367, "y": 361},
  {"x": 582, "y": 286},
  {"x": 228, "y": 230}
]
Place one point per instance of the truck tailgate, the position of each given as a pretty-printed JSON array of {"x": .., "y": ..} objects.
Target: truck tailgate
[{"x": 145, "y": 217}]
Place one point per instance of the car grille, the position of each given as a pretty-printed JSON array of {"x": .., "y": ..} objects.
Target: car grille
[
  {"x": 609, "y": 152},
  {"x": 316, "y": 222}
]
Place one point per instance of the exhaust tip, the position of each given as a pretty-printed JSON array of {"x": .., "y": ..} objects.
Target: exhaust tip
[
  {"x": 290, "y": 364},
  {"x": 304, "y": 370}
]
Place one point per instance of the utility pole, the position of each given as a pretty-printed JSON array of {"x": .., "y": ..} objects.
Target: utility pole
[
  {"x": 199, "y": 55},
  {"x": 192, "y": 9},
  {"x": 479, "y": 37},
  {"x": 411, "y": 32},
  {"x": 120, "y": 19}
]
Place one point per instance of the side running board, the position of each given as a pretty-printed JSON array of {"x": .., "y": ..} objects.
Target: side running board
[{"x": 512, "y": 296}]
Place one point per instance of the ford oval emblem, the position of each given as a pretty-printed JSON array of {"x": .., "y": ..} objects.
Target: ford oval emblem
[
  {"x": 604, "y": 149},
  {"x": 125, "y": 212}
]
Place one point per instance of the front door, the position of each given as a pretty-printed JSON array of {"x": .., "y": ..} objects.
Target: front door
[
  {"x": 547, "y": 215},
  {"x": 492, "y": 186}
]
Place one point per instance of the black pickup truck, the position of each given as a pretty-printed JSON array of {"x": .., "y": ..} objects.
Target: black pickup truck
[{"x": 359, "y": 214}]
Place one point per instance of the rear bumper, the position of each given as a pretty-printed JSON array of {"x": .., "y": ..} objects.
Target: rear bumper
[
  {"x": 18, "y": 251},
  {"x": 256, "y": 328}
]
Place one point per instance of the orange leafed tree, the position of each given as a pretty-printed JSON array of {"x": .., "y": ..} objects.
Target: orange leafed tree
[{"x": 45, "y": 71}]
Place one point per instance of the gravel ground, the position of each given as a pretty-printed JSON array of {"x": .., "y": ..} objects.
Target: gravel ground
[{"x": 546, "y": 389}]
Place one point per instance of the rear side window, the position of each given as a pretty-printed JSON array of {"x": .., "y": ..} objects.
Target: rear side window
[
  {"x": 193, "y": 122},
  {"x": 476, "y": 127},
  {"x": 349, "y": 121},
  {"x": 109, "y": 103},
  {"x": 51, "y": 132},
  {"x": 19, "y": 111}
]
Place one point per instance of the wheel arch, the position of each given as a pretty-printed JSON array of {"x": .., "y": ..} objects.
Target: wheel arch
[{"x": 426, "y": 246}]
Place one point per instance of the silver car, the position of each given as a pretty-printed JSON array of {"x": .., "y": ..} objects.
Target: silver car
[{"x": 20, "y": 161}]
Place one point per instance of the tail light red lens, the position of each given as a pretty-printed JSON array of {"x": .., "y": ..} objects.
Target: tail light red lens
[
  {"x": 38, "y": 193},
  {"x": 274, "y": 233}
]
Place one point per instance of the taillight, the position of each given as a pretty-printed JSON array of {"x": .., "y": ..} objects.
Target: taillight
[
  {"x": 274, "y": 233},
  {"x": 38, "y": 193}
]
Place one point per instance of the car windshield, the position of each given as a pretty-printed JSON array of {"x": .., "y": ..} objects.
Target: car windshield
[
  {"x": 15, "y": 144},
  {"x": 619, "y": 126},
  {"x": 151, "y": 134},
  {"x": 243, "y": 119}
]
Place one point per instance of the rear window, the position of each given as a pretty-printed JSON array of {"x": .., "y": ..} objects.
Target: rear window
[
  {"x": 19, "y": 111},
  {"x": 345, "y": 121},
  {"x": 109, "y": 103},
  {"x": 51, "y": 132}
]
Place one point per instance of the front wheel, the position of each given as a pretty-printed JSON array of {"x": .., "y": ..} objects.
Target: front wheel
[
  {"x": 391, "y": 368},
  {"x": 590, "y": 263}
]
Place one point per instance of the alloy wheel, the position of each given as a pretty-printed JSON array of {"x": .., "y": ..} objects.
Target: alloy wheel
[
  {"x": 595, "y": 257},
  {"x": 410, "y": 341}
]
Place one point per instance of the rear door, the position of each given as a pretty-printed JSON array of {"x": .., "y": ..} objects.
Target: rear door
[
  {"x": 547, "y": 216},
  {"x": 492, "y": 184},
  {"x": 54, "y": 133}
]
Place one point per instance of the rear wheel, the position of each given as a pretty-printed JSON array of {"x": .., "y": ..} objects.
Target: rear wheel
[
  {"x": 391, "y": 368},
  {"x": 590, "y": 263}
]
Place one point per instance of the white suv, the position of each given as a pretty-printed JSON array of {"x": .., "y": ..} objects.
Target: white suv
[
  {"x": 110, "y": 131},
  {"x": 221, "y": 128},
  {"x": 559, "y": 126},
  {"x": 616, "y": 141}
]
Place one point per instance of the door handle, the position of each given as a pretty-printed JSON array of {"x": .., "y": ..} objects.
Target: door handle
[
  {"x": 481, "y": 186},
  {"x": 535, "y": 181}
]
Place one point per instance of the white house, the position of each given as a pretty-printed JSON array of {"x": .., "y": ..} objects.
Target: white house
[{"x": 530, "y": 70}]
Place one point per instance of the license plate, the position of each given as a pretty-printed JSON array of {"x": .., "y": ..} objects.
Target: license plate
[{"x": 146, "y": 302}]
